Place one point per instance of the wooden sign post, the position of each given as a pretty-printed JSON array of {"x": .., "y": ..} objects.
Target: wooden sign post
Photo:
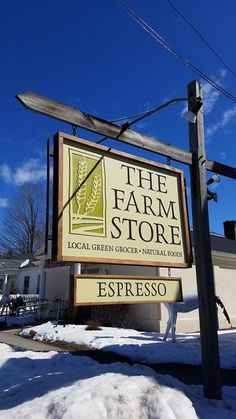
[{"x": 203, "y": 258}]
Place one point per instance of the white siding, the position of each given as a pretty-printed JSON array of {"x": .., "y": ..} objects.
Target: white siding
[{"x": 33, "y": 275}]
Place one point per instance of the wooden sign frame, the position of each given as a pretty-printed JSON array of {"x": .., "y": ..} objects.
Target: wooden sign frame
[
  {"x": 60, "y": 204},
  {"x": 106, "y": 280}
]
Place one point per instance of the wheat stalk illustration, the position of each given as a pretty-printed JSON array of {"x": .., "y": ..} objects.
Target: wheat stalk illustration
[
  {"x": 94, "y": 195},
  {"x": 80, "y": 195}
]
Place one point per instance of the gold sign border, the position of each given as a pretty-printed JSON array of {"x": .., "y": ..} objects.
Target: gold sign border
[
  {"x": 125, "y": 278},
  {"x": 59, "y": 140}
]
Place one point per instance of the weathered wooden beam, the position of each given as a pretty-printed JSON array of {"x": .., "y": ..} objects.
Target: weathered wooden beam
[
  {"x": 100, "y": 126},
  {"x": 221, "y": 169},
  {"x": 73, "y": 116}
]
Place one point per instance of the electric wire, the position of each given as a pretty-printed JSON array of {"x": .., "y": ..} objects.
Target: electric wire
[
  {"x": 167, "y": 46},
  {"x": 203, "y": 38}
]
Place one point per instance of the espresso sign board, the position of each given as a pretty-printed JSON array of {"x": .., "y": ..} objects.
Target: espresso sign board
[
  {"x": 112, "y": 207},
  {"x": 95, "y": 290}
]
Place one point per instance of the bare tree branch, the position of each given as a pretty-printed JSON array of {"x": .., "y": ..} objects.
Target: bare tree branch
[{"x": 23, "y": 223}]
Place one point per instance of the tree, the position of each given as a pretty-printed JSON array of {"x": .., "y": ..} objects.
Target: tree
[{"x": 24, "y": 220}]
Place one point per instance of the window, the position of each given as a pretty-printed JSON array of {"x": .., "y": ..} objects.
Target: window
[
  {"x": 26, "y": 285},
  {"x": 38, "y": 285}
]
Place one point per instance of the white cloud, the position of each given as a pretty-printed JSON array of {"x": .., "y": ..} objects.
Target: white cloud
[
  {"x": 32, "y": 170},
  {"x": 3, "y": 203},
  {"x": 210, "y": 96},
  {"x": 211, "y": 130},
  {"x": 141, "y": 125},
  {"x": 223, "y": 155},
  {"x": 5, "y": 173},
  {"x": 228, "y": 115},
  {"x": 224, "y": 120},
  {"x": 223, "y": 73}
]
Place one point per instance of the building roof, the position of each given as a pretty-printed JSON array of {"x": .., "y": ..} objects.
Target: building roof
[
  {"x": 10, "y": 264},
  {"x": 223, "y": 244},
  {"x": 220, "y": 243}
]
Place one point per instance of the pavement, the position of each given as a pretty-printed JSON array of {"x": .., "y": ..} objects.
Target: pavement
[{"x": 11, "y": 337}]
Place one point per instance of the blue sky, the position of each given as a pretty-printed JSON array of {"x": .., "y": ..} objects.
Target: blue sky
[{"x": 92, "y": 56}]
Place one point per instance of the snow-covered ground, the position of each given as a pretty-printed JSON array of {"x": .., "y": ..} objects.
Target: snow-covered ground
[
  {"x": 60, "y": 385},
  {"x": 145, "y": 347}
]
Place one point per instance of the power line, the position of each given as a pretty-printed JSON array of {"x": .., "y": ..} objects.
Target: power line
[
  {"x": 201, "y": 37},
  {"x": 167, "y": 46}
]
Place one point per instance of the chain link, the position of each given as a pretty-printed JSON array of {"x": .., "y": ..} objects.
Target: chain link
[
  {"x": 168, "y": 159},
  {"x": 74, "y": 130}
]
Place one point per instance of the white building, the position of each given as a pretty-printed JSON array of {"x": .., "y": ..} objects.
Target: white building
[{"x": 56, "y": 281}]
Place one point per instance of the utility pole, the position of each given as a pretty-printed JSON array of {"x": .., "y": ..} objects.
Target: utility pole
[
  {"x": 47, "y": 197},
  {"x": 203, "y": 258}
]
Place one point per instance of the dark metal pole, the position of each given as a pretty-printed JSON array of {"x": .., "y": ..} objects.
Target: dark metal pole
[
  {"x": 47, "y": 196},
  {"x": 203, "y": 257}
]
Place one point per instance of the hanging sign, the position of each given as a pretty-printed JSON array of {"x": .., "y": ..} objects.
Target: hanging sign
[
  {"x": 95, "y": 290},
  {"x": 111, "y": 207}
]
